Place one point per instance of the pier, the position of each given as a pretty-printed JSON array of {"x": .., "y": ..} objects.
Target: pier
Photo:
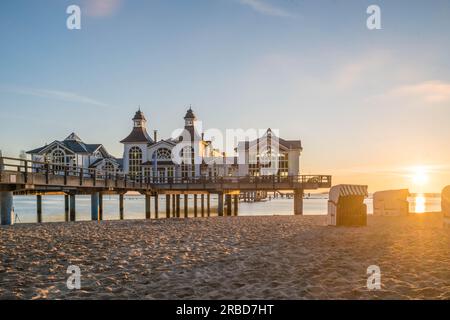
[{"x": 26, "y": 177}]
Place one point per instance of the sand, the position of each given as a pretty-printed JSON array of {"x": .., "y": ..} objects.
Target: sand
[{"x": 279, "y": 257}]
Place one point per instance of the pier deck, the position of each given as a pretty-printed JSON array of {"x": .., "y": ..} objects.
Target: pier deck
[{"x": 18, "y": 176}]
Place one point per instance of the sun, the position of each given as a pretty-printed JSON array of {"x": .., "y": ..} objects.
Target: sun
[{"x": 419, "y": 176}]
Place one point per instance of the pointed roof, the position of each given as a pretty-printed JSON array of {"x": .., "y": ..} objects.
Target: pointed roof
[
  {"x": 139, "y": 115},
  {"x": 190, "y": 114},
  {"x": 73, "y": 137},
  {"x": 138, "y": 135}
]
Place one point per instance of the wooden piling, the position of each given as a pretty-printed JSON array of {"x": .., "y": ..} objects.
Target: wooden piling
[
  {"x": 228, "y": 201},
  {"x": 94, "y": 206},
  {"x": 6, "y": 204},
  {"x": 195, "y": 206},
  {"x": 298, "y": 201},
  {"x": 186, "y": 205},
  {"x": 220, "y": 204},
  {"x": 174, "y": 206},
  {"x": 72, "y": 214},
  {"x": 66, "y": 207},
  {"x": 202, "y": 205},
  {"x": 121, "y": 206},
  {"x": 39, "y": 208},
  {"x": 167, "y": 205},
  {"x": 178, "y": 205},
  {"x": 156, "y": 206},
  {"x": 236, "y": 204},
  {"x": 100, "y": 207},
  {"x": 147, "y": 206},
  {"x": 208, "y": 205}
]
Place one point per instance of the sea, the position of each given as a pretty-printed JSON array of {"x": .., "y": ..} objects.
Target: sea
[{"x": 134, "y": 207}]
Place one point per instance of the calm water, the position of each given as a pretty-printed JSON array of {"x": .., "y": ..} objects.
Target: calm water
[{"x": 53, "y": 207}]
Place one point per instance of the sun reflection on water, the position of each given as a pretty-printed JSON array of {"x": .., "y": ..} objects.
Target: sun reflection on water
[{"x": 419, "y": 202}]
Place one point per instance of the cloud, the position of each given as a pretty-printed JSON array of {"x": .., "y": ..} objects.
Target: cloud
[
  {"x": 100, "y": 8},
  {"x": 429, "y": 92},
  {"x": 265, "y": 8},
  {"x": 54, "y": 94}
]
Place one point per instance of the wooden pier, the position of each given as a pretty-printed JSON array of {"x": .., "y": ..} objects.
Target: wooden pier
[{"x": 18, "y": 176}]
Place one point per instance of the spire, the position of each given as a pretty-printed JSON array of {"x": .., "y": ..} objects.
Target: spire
[
  {"x": 190, "y": 114},
  {"x": 73, "y": 137}
]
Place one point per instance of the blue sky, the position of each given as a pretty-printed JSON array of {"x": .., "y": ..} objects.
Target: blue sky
[{"x": 369, "y": 106}]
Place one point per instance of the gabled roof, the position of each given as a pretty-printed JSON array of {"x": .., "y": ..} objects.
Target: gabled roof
[
  {"x": 74, "y": 144},
  {"x": 98, "y": 161},
  {"x": 138, "y": 135},
  {"x": 288, "y": 144}
]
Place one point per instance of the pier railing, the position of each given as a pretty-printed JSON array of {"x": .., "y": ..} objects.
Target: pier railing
[{"x": 29, "y": 172}]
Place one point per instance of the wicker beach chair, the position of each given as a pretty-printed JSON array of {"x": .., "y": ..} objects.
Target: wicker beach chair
[
  {"x": 346, "y": 205},
  {"x": 391, "y": 203}
]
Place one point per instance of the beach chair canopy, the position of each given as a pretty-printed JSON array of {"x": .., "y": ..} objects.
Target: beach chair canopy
[
  {"x": 344, "y": 190},
  {"x": 391, "y": 195}
]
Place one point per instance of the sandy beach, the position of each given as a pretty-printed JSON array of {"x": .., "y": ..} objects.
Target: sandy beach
[{"x": 279, "y": 257}]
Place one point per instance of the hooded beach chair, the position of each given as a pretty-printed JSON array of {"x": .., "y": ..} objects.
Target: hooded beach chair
[
  {"x": 346, "y": 205},
  {"x": 391, "y": 203}
]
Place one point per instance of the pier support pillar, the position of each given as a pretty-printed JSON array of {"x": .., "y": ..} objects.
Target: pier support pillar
[
  {"x": 94, "y": 206},
  {"x": 167, "y": 205},
  {"x": 147, "y": 206},
  {"x": 186, "y": 205},
  {"x": 39, "y": 208},
  {"x": 66, "y": 207},
  {"x": 72, "y": 214},
  {"x": 100, "y": 206},
  {"x": 236, "y": 204},
  {"x": 174, "y": 206},
  {"x": 298, "y": 201},
  {"x": 195, "y": 206},
  {"x": 220, "y": 204},
  {"x": 6, "y": 204},
  {"x": 121, "y": 206},
  {"x": 178, "y": 205},
  {"x": 156, "y": 206},
  {"x": 202, "y": 205},
  {"x": 228, "y": 201},
  {"x": 208, "y": 205}
]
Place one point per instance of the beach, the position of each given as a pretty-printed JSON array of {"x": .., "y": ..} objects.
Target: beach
[{"x": 270, "y": 257}]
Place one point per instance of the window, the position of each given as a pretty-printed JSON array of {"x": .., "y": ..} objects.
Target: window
[
  {"x": 59, "y": 159},
  {"x": 135, "y": 161},
  {"x": 187, "y": 154},
  {"x": 109, "y": 168},
  {"x": 283, "y": 165},
  {"x": 163, "y": 154}
]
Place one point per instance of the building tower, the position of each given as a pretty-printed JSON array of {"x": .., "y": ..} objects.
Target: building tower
[{"x": 136, "y": 145}]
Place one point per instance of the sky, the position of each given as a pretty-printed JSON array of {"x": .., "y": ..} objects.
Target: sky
[{"x": 370, "y": 106}]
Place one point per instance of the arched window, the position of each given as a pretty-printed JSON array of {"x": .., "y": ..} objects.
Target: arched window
[
  {"x": 58, "y": 158},
  {"x": 109, "y": 168},
  {"x": 163, "y": 154},
  {"x": 135, "y": 161}
]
